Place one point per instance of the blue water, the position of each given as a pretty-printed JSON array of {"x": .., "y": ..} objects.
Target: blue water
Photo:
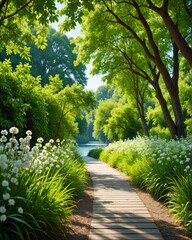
[{"x": 85, "y": 148}]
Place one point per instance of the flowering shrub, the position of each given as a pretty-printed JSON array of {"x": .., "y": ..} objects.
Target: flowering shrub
[
  {"x": 158, "y": 165},
  {"x": 35, "y": 196}
]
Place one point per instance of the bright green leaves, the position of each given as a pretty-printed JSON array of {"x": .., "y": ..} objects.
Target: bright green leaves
[
  {"x": 40, "y": 42},
  {"x": 73, "y": 12},
  {"x": 49, "y": 112},
  {"x": 19, "y": 18}
]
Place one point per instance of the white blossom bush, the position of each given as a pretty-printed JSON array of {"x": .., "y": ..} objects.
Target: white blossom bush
[
  {"x": 35, "y": 191},
  {"x": 159, "y": 165}
]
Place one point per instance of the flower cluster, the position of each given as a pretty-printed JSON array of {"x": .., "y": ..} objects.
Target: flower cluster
[
  {"x": 16, "y": 157},
  {"x": 176, "y": 153},
  {"x": 10, "y": 155}
]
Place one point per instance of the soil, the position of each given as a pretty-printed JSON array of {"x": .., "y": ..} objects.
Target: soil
[{"x": 79, "y": 227}]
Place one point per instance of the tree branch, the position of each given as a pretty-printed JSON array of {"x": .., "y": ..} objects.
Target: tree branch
[{"x": 16, "y": 12}]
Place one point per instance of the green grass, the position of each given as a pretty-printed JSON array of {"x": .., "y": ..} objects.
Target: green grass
[
  {"x": 179, "y": 199},
  {"x": 160, "y": 166}
]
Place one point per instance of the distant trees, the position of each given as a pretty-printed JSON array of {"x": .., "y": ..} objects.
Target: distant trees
[
  {"x": 142, "y": 37},
  {"x": 50, "y": 111},
  {"x": 32, "y": 93},
  {"x": 116, "y": 118},
  {"x": 56, "y": 58}
]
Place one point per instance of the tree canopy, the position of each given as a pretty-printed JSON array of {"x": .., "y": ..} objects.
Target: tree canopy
[
  {"x": 138, "y": 32},
  {"x": 56, "y": 58}
]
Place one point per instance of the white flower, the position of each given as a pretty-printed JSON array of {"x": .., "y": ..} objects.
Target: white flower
[
  {"x": 28, "y": 132},
  {"x": 17, "y": 163},
  {"x": 2, "y": 209},
  {"x": 3, "y": 139},
  {"x": 13, "y": 140},
  {"x": 13, "y": 130},
  {"x": 40, "y": 140},
  {"x": 35, "y": 149},
  {"x": 5, "y": 183},
  {"x": 3, "y": 161},
  {"x": 15, "y": 170},
  {"x": 188, "y": 167},
  {"x": 6, "y": 196},
  {"x": 27, "y": 157},
  {"x": 4, "y": 132},
  {"x": 28, "y": 138},
  {"x": 14, "y": 180},
  {"x": 20, "y": 210},
  {"x": 8, "y": 145},
  {"x": 11, "y": 202},
  {"x": 3, "y": 218}
]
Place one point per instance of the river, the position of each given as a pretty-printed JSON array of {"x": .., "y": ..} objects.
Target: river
[{"x": 85, "y": 148}]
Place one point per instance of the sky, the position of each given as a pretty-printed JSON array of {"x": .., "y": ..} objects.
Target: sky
[{"x": 93, "y": 82}]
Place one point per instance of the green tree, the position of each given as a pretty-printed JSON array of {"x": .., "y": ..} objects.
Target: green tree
[
  {"x": 138, "y": 24},
  {"x": 82, "y": 136},
  {"x": 123, "y": 123},
  {"x": 18, "y": 18},
  {"x": 72, "y": 100},
  {"x": 102, "y": 115},
  {"x": 103, "y": 93},
  {"x": 56, "y": 58},
  {"x": 21, "y": 100},
  {"x": 177, "y": 17}
]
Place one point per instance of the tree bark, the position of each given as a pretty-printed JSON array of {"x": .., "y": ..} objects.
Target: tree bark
[
  {"x": 167, "y": 116},
  {"x": 173, "y": 29},
  {"x": 143, "y": 119}
]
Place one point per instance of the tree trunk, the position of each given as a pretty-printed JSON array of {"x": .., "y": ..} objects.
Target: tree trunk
[
  {"x": 178, "y": 113},
  {"x": 170, "y": 123},
  {"x": 141, "y": 111},
  {"x": 177, "y": 37},
  {"x": 172, "y": 88},
  {"x": 144, "y": 125}
]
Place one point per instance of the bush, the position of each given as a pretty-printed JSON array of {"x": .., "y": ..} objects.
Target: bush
[
  {"x": 179, "y": 199},
  {"x": 38, "y": 185},
  {"x": 158, "y": 165},
  {"x": 95, "y": 153}
]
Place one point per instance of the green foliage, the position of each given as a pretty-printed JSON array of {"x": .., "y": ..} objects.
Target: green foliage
[
  {"x": 102, "y": 114},
  {"x": 82, "y": 138},
  {"x": 49, "y": 112},
  {"x": 123, "y": 123},
  {"x": 56, "y": 58},
  {"x": 37, "y": 187},
  {"x": 125, "y": 47},
  {"x": 18, "y": 18},
  {"x": 180, "y": 200},
  {"x": 95, "y": 153},
  {"x": 115, "y": 119},
  {"x": 163, "y": 167},
  {"x": 22, "y": 103},
  {"x": 103, "y": 93}
]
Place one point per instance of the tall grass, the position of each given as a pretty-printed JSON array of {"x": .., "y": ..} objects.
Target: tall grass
[
  {"x": 160, "y": 166},
  {"x": 37, "y": 186}
]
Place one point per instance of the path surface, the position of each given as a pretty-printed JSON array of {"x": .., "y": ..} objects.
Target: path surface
[{"x": 118, "y": 213}]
